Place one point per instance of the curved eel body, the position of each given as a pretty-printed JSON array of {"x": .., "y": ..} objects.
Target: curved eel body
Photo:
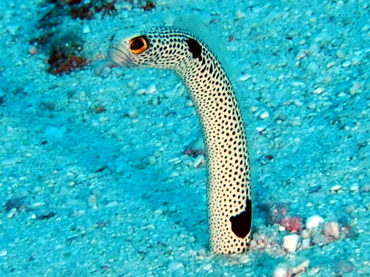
[{"x": 229, "y": 190}]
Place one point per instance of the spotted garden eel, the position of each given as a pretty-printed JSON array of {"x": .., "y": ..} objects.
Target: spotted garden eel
[{"x": 229, "y": 190}]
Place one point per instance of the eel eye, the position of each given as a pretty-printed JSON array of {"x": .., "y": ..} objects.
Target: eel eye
[{"x": 138, "y": 45}]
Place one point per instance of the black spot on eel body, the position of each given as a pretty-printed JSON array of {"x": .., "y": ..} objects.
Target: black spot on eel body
[{"x": 241, "y": 223}]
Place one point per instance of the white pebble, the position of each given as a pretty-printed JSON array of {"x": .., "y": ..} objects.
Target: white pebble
[
  {"x": 190, "y": 103},
  {"x": 93, "y": 202},
  {"x": 239, "y": 14},
  {"x": 346, "y": 64},
  {"x": 3, "y": 253},
  {"x": 176, "y": 268},
  {"x": 298, "y": 103},
  {"x": 365, "y": 28},
  {"x": 298, "y": 84},
  {"x": 314, "y": 221},
  {"x": 200, "y": 161},
  {"x": 305, "y": 234},
  {"x": 356, "y": 60},
  {"x": 132, "y": 114},
  {"x": 365, "y": 188},
  {"x": 175, "y": 161},
  {"x": 282, "y": 270},
  {"x": 38, "y": 204},
  {"x": 354, "y": 187},
  {"x": 152, "y": 160},
  {"x": 158, "y": 211},
  {"x": 318, "y": 90},
  {"x": 331, "y": 230},
  {"x": 207, "y": 267},
  {"x": 264, "y": 115},
  {"x": 340, "y": 54},
  {"x": 335, "y": 188},
  {"x": 151, "y": 89},
  {"x": 355, "y": 88},
  {"x": 300, "y": 55},
  {"x": 290, "y": 242},
  {"x": 253, "y": 109},
  {"x": 175, "y": 174},
  {"x": 331, "y": 64},
  {"x": 245, "y": 77},
  {"x": 141, "y": 91},
  {"x": 306, "y": 243},
  {"x": 112, "y": 204},
  {"x": 261, "y": 128},
  {"x": 11, "y": 213}
]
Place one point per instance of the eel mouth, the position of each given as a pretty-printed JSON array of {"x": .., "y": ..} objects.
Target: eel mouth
[{"x": 120, "y": 56}]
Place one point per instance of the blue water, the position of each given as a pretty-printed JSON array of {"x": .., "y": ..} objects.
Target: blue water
[{"x": 93, "y": 179}]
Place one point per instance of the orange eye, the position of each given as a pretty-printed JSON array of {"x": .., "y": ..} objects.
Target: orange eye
[{"x": 138, "y": 45}]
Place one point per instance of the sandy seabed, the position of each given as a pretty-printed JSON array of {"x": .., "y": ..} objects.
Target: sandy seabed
[{"x": 93, "y": 176}]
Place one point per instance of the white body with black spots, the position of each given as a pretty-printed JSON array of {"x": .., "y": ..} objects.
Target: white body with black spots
[{"x": 229, "y": 191}]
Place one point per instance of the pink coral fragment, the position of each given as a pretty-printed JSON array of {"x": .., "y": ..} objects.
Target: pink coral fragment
[{"x": 292, "y": 224}]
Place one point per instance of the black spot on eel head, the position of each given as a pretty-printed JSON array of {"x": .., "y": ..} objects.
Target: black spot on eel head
[{"x": 195, "y": 48}]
